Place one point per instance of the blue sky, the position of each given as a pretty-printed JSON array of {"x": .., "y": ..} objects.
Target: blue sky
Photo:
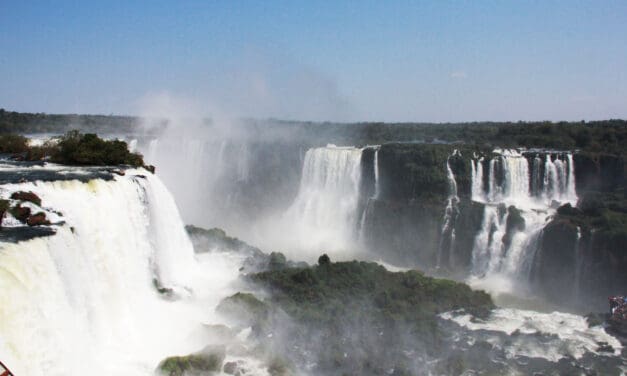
[{"x": 318, "y": 60}]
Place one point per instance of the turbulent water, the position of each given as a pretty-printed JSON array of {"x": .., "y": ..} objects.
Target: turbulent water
[
  {"x": 83, "y": 301},
  {"x": 513, "y": 342},
  {"x": 534, "y": 188}
]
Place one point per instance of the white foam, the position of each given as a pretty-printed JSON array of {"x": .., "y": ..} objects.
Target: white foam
[{"x": 573, "y": 336}]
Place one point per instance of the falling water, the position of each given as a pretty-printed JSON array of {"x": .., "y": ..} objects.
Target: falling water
[
  {"x": 447, "y": 234},
  {"x": 82, "y": 301},
  {"x": 477, "y": 191},
  {"x": 324, "y": 215},
  {"x": 532, "y": 191},
  {"x": 376, "y": 173}
]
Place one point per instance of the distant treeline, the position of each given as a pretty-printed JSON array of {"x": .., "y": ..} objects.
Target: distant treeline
[
  {"x": 609, "y": 136},
  {"x": 22, "y": 122}
]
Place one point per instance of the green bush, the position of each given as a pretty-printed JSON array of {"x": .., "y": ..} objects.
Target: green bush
[
  {"x": 13, "y": 143},
  {"x": 88, "y": 149}
]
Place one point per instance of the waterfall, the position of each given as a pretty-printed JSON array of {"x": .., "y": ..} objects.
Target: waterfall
[
  {"x": 375, "y": 195},
  {"x": 324, "y": 214},
  {"x": 476, "y": 171},
  {"x": 376, "y": 173},
  {"x": 447, "y": 234},
  {"x": 487, "y": 249},
  {"x": 82, "y": 301},
  {"x": 571, "y": 192},
  {"x": 530, "y": 192}
]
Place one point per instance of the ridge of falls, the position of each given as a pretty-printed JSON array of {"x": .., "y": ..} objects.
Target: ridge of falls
[
  {"x": 324, "y": 214},
  {"x": 83, "y": 301},
  {"x": 447, "y": 234},
  {"x": 519, "y": 197}
]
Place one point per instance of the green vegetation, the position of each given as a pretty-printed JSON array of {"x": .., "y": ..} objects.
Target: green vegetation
[
  {"x": 606, "y": 212},
  {"x": 245, "y": 308},
  {"x": 13, "y": 143},
  {"x": 17, "y": 122},
  {"x": 74, "y": 148},
  {"x": 88, "y": 149},
  {"x": 321, "y": 293},
  {"x": 354, "y": 317},
  {"x": 206, "y": 362},
  {"x": 207, "y": 240}
]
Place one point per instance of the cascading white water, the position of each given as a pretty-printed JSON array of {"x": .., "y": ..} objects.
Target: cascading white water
[
  {"x": 376, "y": 173},
  {"x": 487, "y": 250},
  {"x": 533, "y": 192},
  {"x": 447, "y": 234},
  {"x": 368, "y": 207},
  {"x": 476, "y": 171},
  {"x": 82, "y": 302},
  {"x": 324, "y": 216}
]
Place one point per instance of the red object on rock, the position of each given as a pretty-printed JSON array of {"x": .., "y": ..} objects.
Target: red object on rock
[{"x": 38, "y": 219}]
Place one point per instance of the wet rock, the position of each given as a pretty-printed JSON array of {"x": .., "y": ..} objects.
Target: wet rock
[
  {"x": 26, "y": 196},
  {"x": 515, "y": 223},
  {"x": 605, "y": 347},
  {"x": 4, "y": 205},
  {"x": 150, "y": 168},
  {"x": 230, "y": 368},
  {"x": 21, "y": 213},
  {"x": 38, "y": 219},
  {"x": 569, "y": 210}
]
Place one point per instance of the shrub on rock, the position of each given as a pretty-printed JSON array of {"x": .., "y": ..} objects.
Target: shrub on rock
[{"x": 206, "y": 362}]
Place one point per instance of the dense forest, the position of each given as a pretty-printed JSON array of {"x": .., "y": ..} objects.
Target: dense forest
[{"x": 607, "y": 136}]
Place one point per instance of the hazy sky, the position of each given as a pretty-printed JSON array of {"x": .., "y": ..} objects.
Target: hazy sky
[{"x": 319, "y": 60}]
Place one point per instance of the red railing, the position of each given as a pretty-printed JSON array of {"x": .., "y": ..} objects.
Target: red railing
[{"x": 5, "y": 370}]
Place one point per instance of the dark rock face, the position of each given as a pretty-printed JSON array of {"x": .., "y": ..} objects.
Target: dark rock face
[
  {"x": 26, "y": 196},
  {"x": 405, "y": 221},
  {"x": 599, "y": 172},
  {"x": 515, "y": 223},
  {"x": 405, "y": 233},
  {"x": 554, "y": 265},
  {"x": 467, "y": 226}
]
